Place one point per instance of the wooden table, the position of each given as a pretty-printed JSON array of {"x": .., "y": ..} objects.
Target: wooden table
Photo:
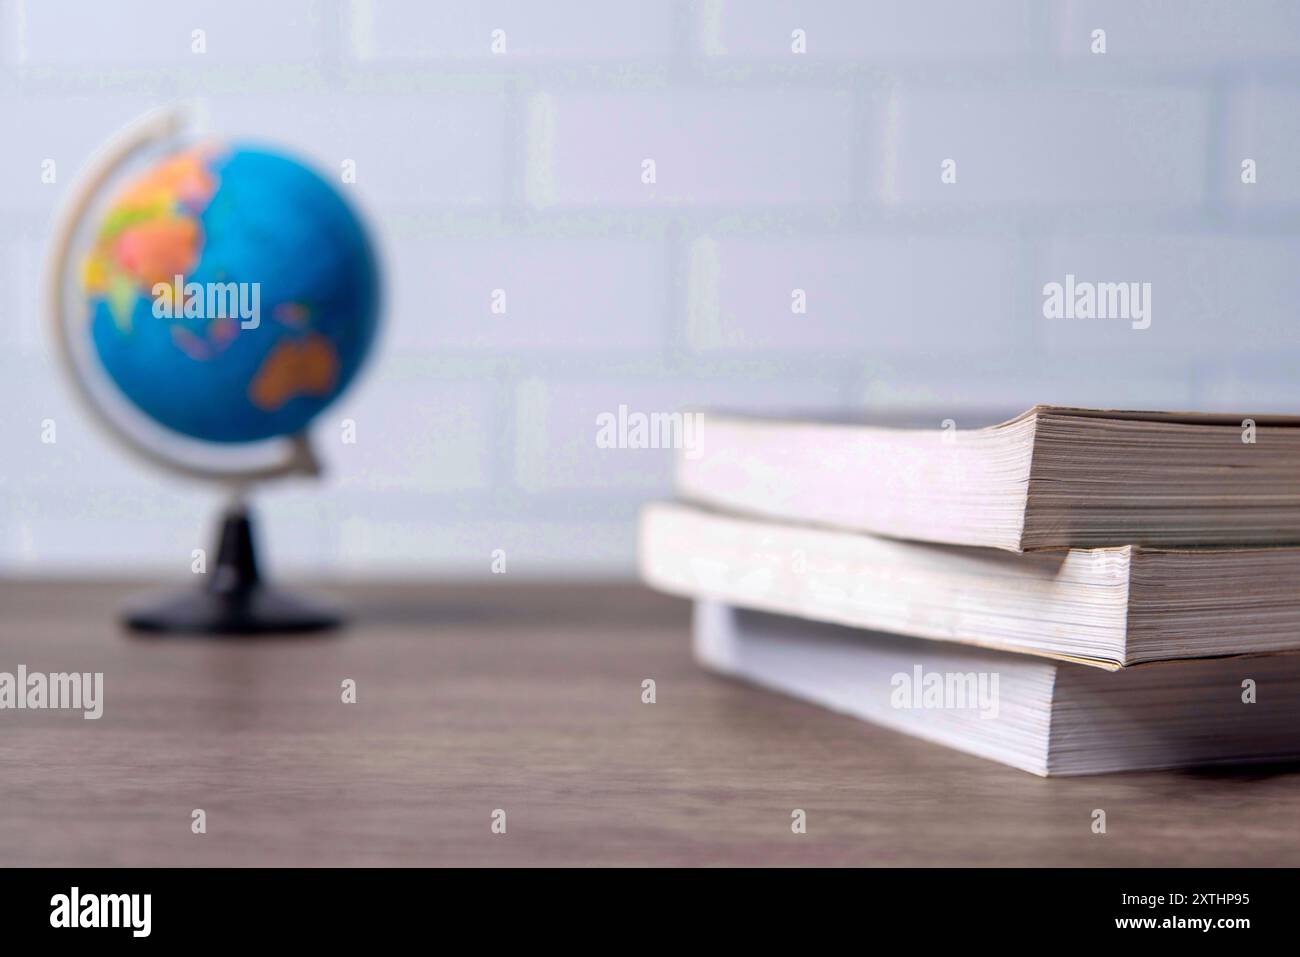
[{"x": 527, "y": 698}]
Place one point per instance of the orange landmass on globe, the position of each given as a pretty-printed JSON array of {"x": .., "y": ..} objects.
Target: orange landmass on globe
[
  {"x": 305, "y": 367},
  {"x": 183, "y": 178},
  {"x": 150, "y": 233},
  {"x": 158, "y": 250}
]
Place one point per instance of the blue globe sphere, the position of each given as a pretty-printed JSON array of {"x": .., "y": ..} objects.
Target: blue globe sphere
[{"x": 232, "y": 293}]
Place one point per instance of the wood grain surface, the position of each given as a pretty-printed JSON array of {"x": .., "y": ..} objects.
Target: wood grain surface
[{"x": 528, "y": 698}]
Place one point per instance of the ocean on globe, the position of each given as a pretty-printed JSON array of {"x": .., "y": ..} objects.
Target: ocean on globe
[{"x": 232, "y": 293}]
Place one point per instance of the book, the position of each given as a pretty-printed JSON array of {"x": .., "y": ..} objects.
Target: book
[
  {"x": 1108, "y": 607},
  {"x": 1042, "y": 716},
  {"x": 1053, "y": 477}
]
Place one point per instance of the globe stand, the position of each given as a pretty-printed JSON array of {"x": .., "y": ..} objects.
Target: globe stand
[{"x": 235, "y": 600}]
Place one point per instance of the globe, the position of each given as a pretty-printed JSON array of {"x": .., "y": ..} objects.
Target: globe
[
  {"x": 231, "y": 293},
  {"x": 209, "y": 299}
]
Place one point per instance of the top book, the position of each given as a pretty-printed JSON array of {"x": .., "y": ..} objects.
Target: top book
[{"x": 1053, "y": 477}]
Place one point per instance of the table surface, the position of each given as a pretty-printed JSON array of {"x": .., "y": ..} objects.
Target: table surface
[{"x": 527, "y": 698}]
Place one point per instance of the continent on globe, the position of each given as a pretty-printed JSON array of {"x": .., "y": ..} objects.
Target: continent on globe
[
  {"x": 148, "y": 234},
  {"x": 294, "y": 368}
]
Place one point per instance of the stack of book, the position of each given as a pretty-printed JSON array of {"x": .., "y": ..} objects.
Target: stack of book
[{"x": 1069, "y": 592}]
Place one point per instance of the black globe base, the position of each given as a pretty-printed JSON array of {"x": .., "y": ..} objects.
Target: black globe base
[
  {"x": 235, "y": 600},
  {"x": 259, "y": 611}
]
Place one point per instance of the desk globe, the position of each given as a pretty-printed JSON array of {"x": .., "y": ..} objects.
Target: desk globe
[{"x": 210, "y": 300}]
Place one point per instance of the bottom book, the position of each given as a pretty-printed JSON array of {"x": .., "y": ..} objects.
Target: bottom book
[{"x": 1043, "y": 716}]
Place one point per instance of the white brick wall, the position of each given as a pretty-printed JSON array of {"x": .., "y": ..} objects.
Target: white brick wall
[
  {"x": 506, "y": 32},
  {"x": 64, "y": 128},
  {"x": 746, "y": 294},
  {"x": 1195, "y": 31},
  {"x": 1054, "y": 144},
  {"x": 890, "y": 30},
  {"x": 709, "y": 148},
  {"x": 522, "y": 171},
  {"x": 1263, "y": 125},
  {"x": 1213, "y": 296},
  {"x": 136, "y": 35},
  {"x": 547, "y": 303},
  {"x": 412, "y": 432}
]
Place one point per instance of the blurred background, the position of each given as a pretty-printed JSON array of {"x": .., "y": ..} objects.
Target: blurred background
[{"x": 513, "y": 180}]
